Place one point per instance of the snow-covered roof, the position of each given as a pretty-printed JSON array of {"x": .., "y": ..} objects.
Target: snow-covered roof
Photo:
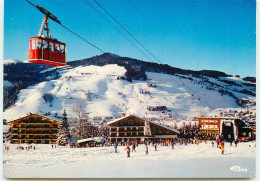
[
  {"x": 166, "y": 127},
  {"x": 49, "y": 116},
  {"x": 96, "y": 139},
  {"x": 6, "y": 128},
  {"x": 41, "y": 114}
]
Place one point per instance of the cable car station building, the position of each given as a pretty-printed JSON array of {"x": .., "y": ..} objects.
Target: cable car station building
[
  {"x": 34, "y": 128},
  {"x": 228, "y": 128},
  {"x": 134, "y": 128}
]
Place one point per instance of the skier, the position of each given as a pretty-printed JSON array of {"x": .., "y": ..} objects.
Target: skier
[
  {"x": 172, "y": 144},
  {"x": 146, "y": 149},
  {"x": 133, "y": 147},
  {"x": 222, "y": 147},
  {"x": 116, "y": 147},
  {"x": 155, "y": 147},
  {"x": 52, "y": 146},
  {"x": 128, "y": 151},
  {"x": 236, "y": 141},
  {"x": 212, "y": 144},
  {"x": 218, "y": 142}
]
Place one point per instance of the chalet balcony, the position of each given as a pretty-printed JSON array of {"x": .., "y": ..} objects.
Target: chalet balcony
[
  {"x": 53, "y": 132},
  {"x": 22, "y": 136},
  {"x": 14, "y": 131},
  {"x": 46, "y": 126},
  {"x": 37, "y": 132},
  {"x": 30, "y": 126},
  {"x": 55, "y": 126},
  {"x": 32, "y": 132},
  {"x": 45, "y": 137},
  {"x": 46, "y": 132},
  {"x": 53, "y": 137},
  {"x": 38, "y": 137},
  {"x": 113, "y": 135},
  {"x": 22, "y": 131},
  {"x": 14, "y": 137},
  {"x": 37, "y": 127}
]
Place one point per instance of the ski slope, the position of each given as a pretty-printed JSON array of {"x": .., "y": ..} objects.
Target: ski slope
[{"x": 102, "y": 94}]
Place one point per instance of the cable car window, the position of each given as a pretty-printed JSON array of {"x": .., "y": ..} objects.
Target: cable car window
[
  {"x": 39, "y": 43},
  {"x": 62, "y": 49},
  {"x": 51, "y": 46},
  {"x": 57, "y": 47},
  {"x": 33, "y": 44},
  {"x": 45, "y": 44}
]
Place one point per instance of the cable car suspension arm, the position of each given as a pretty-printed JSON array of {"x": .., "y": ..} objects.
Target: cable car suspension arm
[{"x": 54, "y": 18}]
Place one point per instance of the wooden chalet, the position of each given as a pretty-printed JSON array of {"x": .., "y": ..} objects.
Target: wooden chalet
[
  {"x": 34, "y": 128},
  {"x": 134, "y": 128}
]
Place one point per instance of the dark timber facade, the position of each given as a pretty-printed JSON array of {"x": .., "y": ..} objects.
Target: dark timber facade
[
  {"x": 134, "y": 128},
  {"x": 34, "y": 129}
]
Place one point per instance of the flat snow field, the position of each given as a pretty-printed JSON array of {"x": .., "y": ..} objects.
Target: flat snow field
[{"x": 184, "y": 161}]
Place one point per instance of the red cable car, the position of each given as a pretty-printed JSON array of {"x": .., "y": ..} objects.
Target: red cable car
[{"x": 46, "y": 50}]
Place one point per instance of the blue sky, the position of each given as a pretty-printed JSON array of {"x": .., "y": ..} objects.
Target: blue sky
[{"x": 190, "y": 34}]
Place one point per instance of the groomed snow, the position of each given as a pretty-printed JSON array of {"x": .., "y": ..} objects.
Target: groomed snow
[{"x": 192, "y": 160}]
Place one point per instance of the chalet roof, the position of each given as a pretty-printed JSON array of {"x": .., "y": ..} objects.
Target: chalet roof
[
  {"x": 42, "y": 115},
  {"x": 166, "y": 127}
]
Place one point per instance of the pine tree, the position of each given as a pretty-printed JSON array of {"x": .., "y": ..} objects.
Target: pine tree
[{"x": 64, "y": 134}]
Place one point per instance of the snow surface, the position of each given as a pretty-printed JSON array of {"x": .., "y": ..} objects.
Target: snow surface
[
  {"x": 10, "y": 61},
  {"x": 103, "y": 95},
  {"x": 191, "y": 161}
]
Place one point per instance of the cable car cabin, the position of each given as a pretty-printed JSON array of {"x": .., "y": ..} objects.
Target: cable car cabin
[{"x": 47, "y": 51}]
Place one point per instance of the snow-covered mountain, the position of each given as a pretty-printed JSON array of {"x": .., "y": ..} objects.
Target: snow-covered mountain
[{"x": 108, "y": 85}]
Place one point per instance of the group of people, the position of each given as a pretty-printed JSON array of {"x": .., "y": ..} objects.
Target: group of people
[
  {"x": 221, "y": 143},
  {"x": 27, "y": 147},
  {"x": 147, "y": 143}
]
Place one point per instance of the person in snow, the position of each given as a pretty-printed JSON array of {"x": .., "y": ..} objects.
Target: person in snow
[
  {"x": 173, "y": 144},
  {"x": 128, "y": 151},
  {"x": 212, "y": 144},
  {"x": 155, "y": 147},
  {"x": 116, "y": 147},
  {"x": 133, "y": 147},
  {"x": 146, "y": 149},
  {"x": 222, "y": 147},
  {"x": 236, "y": 141},
  {"x": 231, "y": 142},
  {"x": 218, "y": 141}
]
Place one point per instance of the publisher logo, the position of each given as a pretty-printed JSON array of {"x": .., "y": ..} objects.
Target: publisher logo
[{"x": 237, "y": 169}]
